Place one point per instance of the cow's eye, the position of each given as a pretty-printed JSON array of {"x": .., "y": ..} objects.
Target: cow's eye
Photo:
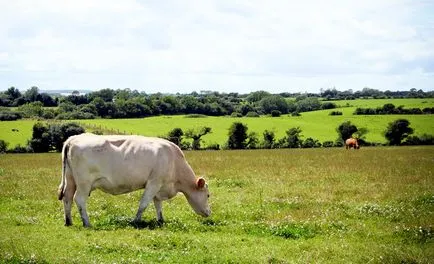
[{"x": 208, "y": 195}]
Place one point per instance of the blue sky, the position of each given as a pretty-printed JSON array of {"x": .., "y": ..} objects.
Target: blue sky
[{"x": 227, "y": 46}]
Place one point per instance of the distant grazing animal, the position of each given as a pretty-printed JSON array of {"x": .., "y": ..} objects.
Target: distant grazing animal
[
  {"x": 352, "y": 143},
  {"x": 121, "y": 164}
]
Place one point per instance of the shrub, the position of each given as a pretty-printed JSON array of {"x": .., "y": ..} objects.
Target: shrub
[
  {"x": 196, "y": 135},
  {"x": 269, "y": 139},
  {"x": 20, "y": 149},
  {"x": 3, "y": 146},
  {"x": 252, "y": 114},
  {"x": 175, "y": 136},
  {"x": 310, "y": 143},
  {"x": 328, "y": 105},
  {"x": 346, "y": 130},
  {"x": 237, "y": 136},
  {"x": 195, "y": 116},
  {"x": 397, "y": 131},
  {"x": 213, "y": 146},
  {"x": 236, "y": 114},
  {"x": 425, "y": 139},
  {"x": 46, "y": 138},
  {"x": 275, "y": 113},
  {"x": 328, "y": 144},
  {"x": 335, "y": 113},
  {"x": 295, "y": 113},
  {"x": 292, "y": 139},
  {"x": 10, "y": 116},
  {"x": 339, "y": 143}
]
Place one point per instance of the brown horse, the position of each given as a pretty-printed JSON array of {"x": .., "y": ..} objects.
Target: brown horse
[{"x": 352, "y": 143}]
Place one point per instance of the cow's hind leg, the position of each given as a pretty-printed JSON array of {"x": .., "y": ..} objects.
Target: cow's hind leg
[
  {"x": 80, "y": 198},
  {"x": 159, "y": 210},
  {"x": 68, "y": 197},
  {"x": 150, "y": 191}
]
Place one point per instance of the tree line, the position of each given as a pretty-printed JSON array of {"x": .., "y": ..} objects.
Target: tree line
[
  {"x": 390, "y": 109},
  {"x": 47, "y": 137},
  {"x": 126, "y": 103}
]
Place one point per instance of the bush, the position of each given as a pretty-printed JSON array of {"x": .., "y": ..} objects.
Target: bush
[
  {"x": 252, "y": 114},
  {"x": 275, "y": 113},
  {"x": 335, "y": 113},
  {"x": 295, "y": 113},
  {"x": 20, "y": 149},
  {"x": 328, "y": 105},
  {"x": 292, "y": 139},
  {"x": 3, "y": 146},
  {"x": 10, "y": 116},
  {"x": 269, "y": 139},
  {"x": 328, "y": 144},
  {"x": 236, "y": 114},
  {"x": 195, "y": 116},
  {"x": 175, "y": 136},
  {"x": 213, "y": 146},
  {"x": 339, "y": 143},
  {"x": 346, "y": 130},
  {"x": 46, "y": 138},
  {"x": 397, "y": 131},
  {"x": 310, "y": 143},
  {"x": 237, "y": 136},
  {"x": 75, "y": 115},
  {"x": 425, "y": 139}
]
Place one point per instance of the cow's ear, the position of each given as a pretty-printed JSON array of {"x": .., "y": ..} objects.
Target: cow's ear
[{"x": 200, "y": 183}]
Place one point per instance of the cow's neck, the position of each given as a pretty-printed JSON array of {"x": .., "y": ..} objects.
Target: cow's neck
[{"x": 186, "y": 180}]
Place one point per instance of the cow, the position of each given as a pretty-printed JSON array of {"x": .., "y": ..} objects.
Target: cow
[
  {"x": 118, "y": 164},
  {"x": 352, "y": 143}
]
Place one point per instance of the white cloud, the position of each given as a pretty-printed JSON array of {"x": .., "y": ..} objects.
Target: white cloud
[{"x": 182, "y": 46}]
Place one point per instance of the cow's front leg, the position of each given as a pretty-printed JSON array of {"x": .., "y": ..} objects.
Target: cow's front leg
[
  {"x": 150, "y": 191},
  {"x": 159, "y": 209},
  {"x": 80, "y": 198}
]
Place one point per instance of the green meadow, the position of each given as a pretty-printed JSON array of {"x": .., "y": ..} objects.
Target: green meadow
[
  {"x": 317, "y": 124},
  {"x": 374, "y": 205}
]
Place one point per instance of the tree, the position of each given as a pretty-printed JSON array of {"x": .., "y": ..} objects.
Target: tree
[
  {"x": 32, "y": 94},
  {"x": 237, "y": 136},
  {"x": 308, "y": 104},
  {"x": 3, "y": 146},
  {"x": 293, "y": 138},
  {"x": 41, "y": 140},
  {"x": 175, "y": 135},
  {"x": 346, "y": 130},
  {"x": 47, "y": 138},
  {"x": 252, "y": 140},
  {"x": 196, "y": 136},
  {"x": 257, "y": 96},
  {"x": 13, "y": 93},
  {"x": 274, "y": 102},
  {"x": 397, "y": 131},
  {"x": 269, "y": 139}
]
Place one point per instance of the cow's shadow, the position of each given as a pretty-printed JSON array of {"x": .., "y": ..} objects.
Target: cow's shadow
[{"x": 122, "y": 222}]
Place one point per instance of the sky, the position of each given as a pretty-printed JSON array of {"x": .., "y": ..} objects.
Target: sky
[{"x": 219, "y": 45}]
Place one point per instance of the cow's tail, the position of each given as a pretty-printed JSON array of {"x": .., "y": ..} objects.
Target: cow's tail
[{"x": 61, "y": 190}]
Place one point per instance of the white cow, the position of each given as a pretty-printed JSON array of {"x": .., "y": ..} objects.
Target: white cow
[{"x": 121, "y": 164}]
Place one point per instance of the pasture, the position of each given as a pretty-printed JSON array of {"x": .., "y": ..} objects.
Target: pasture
[
  {"x": 374, "y": 205},
  {"x": 317, "y": 124}
]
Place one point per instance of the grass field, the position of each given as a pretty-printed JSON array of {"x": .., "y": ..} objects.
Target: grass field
[
  {"x": 375, "y": 205},
  {"x": 317, "y": 124}
]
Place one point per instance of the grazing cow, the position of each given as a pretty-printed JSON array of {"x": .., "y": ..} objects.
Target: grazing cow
[
  {"x": 352, "y": 143},
  {"x": 121, "y": 164}
]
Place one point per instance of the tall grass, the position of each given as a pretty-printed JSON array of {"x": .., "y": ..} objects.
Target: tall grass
[{"x": 374, "y": 205}]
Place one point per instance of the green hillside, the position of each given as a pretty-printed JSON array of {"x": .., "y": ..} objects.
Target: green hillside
[{"x": 318, "y": 124}]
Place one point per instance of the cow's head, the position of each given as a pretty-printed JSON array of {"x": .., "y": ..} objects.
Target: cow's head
[{"x": 198, "y": 198}]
